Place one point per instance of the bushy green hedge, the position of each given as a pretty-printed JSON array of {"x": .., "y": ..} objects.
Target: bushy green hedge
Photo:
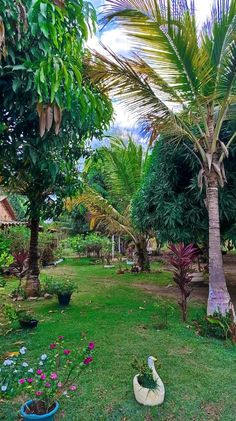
[{"x": 93, "y": 243}]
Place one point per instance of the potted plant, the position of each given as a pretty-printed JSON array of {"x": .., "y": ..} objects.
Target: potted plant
[
  {"x": 26, "y": 319},
  {"x": 14, "y": 315},
  {"x": 63, "y": 288},
  {"x": 148, "y": 387},
  {"x": 47, "y": 380}
]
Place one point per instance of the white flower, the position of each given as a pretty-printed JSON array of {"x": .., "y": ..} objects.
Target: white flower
[
  {"x": 44, "y": 357},
  {"x": 15, "y": 371},
  {"x": 40, "y": 362},
  {"x": 8, "y": 362},
  {"x": 30, "y": 370},
  {"x": 23, "y": 350},
  {"x": 25, "y": 365},
  {"x": 4, "y": 388}
]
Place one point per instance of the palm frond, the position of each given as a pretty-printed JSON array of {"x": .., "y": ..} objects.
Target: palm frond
[
  {"x": 121, "y": 79},
  {"x": 164, "y": 33},
  {"x": 102, "y": 213}
]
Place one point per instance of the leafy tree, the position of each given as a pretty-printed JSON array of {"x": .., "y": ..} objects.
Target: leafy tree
[
  {"x": 123, "y": 168},
  {"x": 175, "y": 209},
  {"x": 180, "y": 82},
  {"x": 44, "y": 85}
]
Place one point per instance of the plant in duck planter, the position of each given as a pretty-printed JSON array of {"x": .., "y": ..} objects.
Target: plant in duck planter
[
  {"x": 48, "y": 380},
  {"x": 63, "y": 288},
  {"x": 148, "y": 387}
]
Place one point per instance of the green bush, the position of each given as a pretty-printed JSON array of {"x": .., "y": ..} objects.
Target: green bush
[
  {"x": 91, "y": 244},
  {"x": 217, "y": 326},
  {"x": 59, "y": 286},
  {"x": 17, "y": 239}
]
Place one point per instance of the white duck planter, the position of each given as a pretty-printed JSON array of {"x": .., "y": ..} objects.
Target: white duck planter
[{"x": 149, "y": 397}]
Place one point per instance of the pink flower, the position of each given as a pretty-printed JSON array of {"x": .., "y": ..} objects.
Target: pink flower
[
  {"x": 47, "y": 384},
  {"x": 30, "y": 380},
  {"x": 67, "y": 351},
  {"x": 88, "y": 360},
  {"x": 91, "y": 345},
  {"x": 38, "y": 393},
  {"x": 53, "y": 376},
  {"x": 61, "y": 338},
  {"x": 39, "y": 372},
  {"x": 43, "y": 376},
  {"x": 59, "y": 384},
  {"x": 73, "y": 387},
  {"x": 22, "y": 381},
  {"x": 52, "y": 346}
]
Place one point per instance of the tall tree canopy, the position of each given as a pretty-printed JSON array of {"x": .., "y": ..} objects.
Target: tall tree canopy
[
  {"x": 180, "y": 82},
  {"x": 49, "y": 106},
  {"x": 175, "y": 208}
]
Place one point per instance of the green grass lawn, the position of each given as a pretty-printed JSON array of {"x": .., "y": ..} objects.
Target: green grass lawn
[{"x": 199, "y": 373}]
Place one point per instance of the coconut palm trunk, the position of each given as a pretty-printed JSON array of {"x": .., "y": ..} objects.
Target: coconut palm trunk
[
  {"x": 142, "y": 254},
  {"x": 32, "y": 287},
  {"x": 218, "y": 299}
]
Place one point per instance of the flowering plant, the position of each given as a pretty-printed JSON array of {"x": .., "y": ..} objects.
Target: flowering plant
[{"x": 52, "y": 376}]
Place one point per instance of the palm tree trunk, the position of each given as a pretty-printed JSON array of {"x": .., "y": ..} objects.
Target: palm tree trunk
[
  {"x": 142, "y": 255},
  {"x": 219, "y": 298},
  {"x": 32, "y": 287}
]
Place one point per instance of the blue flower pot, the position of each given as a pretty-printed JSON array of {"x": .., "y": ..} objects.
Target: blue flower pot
[{"x": 47, "y": 417}]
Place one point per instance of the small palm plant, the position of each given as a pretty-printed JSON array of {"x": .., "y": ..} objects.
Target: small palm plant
[
  {"x": 181, "y": 259},
  {"x": 124, "y": 165}
]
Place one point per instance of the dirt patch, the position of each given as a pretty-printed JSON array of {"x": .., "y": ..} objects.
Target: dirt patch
[
  {"x": 66, "y": 271},
  {"x": 199, "y": 294},
  {"x": 213, "y": 412}
]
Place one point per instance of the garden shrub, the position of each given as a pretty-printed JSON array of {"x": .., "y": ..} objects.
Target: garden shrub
[
  {"x": 17, "y": 239},
  {"x": 217, "y": 326},
  {"x": 92, "y": 245}
]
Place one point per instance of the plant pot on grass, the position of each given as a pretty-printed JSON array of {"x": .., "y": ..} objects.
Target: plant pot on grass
[
  {"x": 63, "y": 288},
  {"x": 27, "y": 411},
  {"x": 48, "y": 380},
  {"x": 64, "y": 299},
  {"x": 26, "y": 319},
  {"x": 148, "y": 387}
]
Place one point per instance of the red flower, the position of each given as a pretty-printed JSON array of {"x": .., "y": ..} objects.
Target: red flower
[
  {"x": 61, "y": 338},
  {"x": 52, "y": 346},
  {"x": 39, "y": 372},
  {"x": 88, "y": 360},
  {"x": 38, "y": 393},
  {"x": 43, "y": 376},
  {"x": 91, "y": 345},
  {"x": 22, "y": 381},
  {"x": 47, "y": 384},
  {"x": 67, "y": 351},
  {"x": 30, "y": 380}
]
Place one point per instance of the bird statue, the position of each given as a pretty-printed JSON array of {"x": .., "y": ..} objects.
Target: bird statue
[{"x": 149, "y": 397}]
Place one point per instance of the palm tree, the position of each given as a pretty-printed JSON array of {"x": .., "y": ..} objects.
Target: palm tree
[
  {"x": 180, "y": 82},
  {"x": 123, "y": 169}
]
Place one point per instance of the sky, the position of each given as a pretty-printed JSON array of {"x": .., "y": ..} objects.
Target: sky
[{"x": 113, "y": 38}]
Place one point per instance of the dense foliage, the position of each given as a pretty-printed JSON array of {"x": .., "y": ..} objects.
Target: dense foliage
[
  {"x": 44, "y": 86},
  {"x": 92, "y": 244},
  {"x": 171, "y": 203}
]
